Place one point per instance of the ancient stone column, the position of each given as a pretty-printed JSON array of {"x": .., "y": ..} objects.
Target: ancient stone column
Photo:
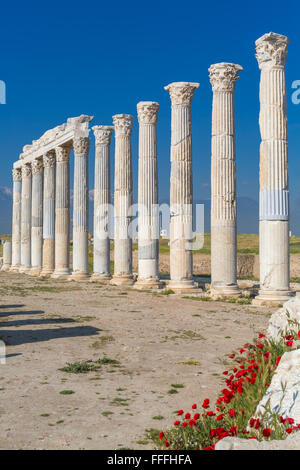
[
  {"x": 122, "y": 201},
  {"x": 223, "y": 182},
  {"x": 148, "y": 224},
  {"x": 16, "y": 220},
  {"x": 6, "y": 256},
  {"x": 102, "y": 203},
  {"x": 37, "y": 218},
  {"x": 62, "y": 212},
  {"x": 48, "y": 213},
  {"x": 26, "y": 219},
  {"x": 80, "y": 209},
  {"x": 181, "y": 187},
  {"x": 271, "y": 51}
]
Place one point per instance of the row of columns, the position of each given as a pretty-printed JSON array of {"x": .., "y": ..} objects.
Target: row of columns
[{"x": 48, "y": 226}]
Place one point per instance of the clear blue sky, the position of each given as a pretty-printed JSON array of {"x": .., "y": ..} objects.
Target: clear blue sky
[{"x": 62, "y": 59}]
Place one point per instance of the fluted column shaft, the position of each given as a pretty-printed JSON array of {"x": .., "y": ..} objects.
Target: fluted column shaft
[
  {"x": 274, "y": 187},
  {"x": 26, "y": 219},
  {"x": 223, "y": 181},
  {"x": 80, "y": 209},
  {"x": 62, "y": 212},
  {"x": 48, "y": 213},
  {"x": 37, "y": 217},
  {"x": 16, "y": 220},
  {"x": 6, "y": 256},
  {"x": 122, "y": 200},
  {"x": 102, "y": 203},
  {"x": 181, "y": 186},
  {"x": 148, "y": 225}
]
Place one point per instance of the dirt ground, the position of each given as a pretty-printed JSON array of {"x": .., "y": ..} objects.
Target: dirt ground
[{"x": 159, "y": 340}]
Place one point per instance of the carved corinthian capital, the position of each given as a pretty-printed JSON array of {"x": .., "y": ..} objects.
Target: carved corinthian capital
[
  {"x": 223, "y": 76},
  {"x": 182, "y": 92},
  {"x": 26, "y": 170},
  {"x": 49, "y": 159},
  {"x": 103, "y": 134},
  {"x": 147, "y": 112},
  {"x": 123, "y": 124},
  {"x": 37, "y": 166},
  {"x": 62, "y": 153},
  {"x": 17, "y": 174},
  {"x": 81, "y": 145},
  {"x": 271, "y": 50}
]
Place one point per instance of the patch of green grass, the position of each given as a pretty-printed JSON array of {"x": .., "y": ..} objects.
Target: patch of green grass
[
  {"x": 45, "y": 415},
  {"x": 67, "y": 392},
  {"x": 80, "y": 367},
  {"x": 172, "y": 391},
  {"x": 158, "y": 417},
  {"x": 107, "y": 360},
  {"x": 190, "y": 362},
  {"x": 177, "y": 385},
  {"x": 107, "y": 413}
]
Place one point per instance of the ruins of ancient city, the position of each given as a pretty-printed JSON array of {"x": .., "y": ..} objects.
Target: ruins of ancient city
[{"x": 122, "y": 337}]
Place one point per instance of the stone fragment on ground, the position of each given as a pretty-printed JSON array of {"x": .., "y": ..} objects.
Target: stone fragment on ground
[
  {"x": 292, "y": 442},
  {"x": 282, "y": 320}
]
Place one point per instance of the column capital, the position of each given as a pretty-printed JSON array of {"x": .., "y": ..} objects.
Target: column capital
[
  {"x": 37, "y": 166},
  {"x": 182, "y": 92},
  {"x": 147, "y": 112},
  {"x": 81, "y": 144},
  {"x": 223, "y": 76},
  {"x": 103, "y": 134},
  {"x": 26, "y": 170},
  {"x": 17, "y": 174},
  {"x": 49, "y": 159},
  {"x": 62, "y": 153},
  {"x": 271, "y": 50},
  {"x": 123, "y": 124}
]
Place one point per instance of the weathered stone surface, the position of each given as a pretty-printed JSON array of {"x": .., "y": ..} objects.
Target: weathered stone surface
[
  {"x": 280, "y": 321},
  {"x": 292, "y": 442}
]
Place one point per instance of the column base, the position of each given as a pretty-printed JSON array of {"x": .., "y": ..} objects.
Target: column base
[
  {"x": 60, "y": 274},
  {"x": 105, "y": 278},
  {"x": 46, "y": 272},
  {"x": 225, "y": 291},
  {"x": 35, "y": 271},
  {"x": 148, "y": 284},
  {"x": 183, "y": 287},
  {"x": 78, "y": 276},
  {"x": 15, "y": 268},
  {"x": 24, "y": 270},
  {"x": 122, "y": 280},
  {"x": 272, "y": 298},
  {"x": 5, "y": 267}
]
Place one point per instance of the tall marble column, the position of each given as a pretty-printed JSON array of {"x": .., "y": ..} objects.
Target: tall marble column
[
  {"x": 6, "y": 256},
  {"x": 16, "y": 220},
  {"x": 271, "y": 51},
  {"x": 48, "y": 213},
  {"x": 26, "y": 219},
  {"x": 80, "y": 209},
  {"x": 37, "y": 218},
  {"x": 148, "y": 224},
  {"x": 181, "y": 187},
  {"x": 223, "y": 182},
  {"x": 102, "y": 203},
  {"x": 62, "y": 212},
  {"x": 122, "y": 201}
]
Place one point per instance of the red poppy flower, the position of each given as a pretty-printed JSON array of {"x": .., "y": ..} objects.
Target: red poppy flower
[
  {"x": 187, "y": 415},
  {"x": 267, "y": 432},
  {"x": 176, "y": 423},
  {"x": 161, "y": 435},
  {"x": 289, "y": 430},
  {"x": 194, "y": 406},
  {"x": 180, "y": 412}
]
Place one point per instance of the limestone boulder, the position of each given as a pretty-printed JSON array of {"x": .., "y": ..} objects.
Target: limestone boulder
[
  {"x": 292, "y": 442},
  {"x": 284, "y": 319}
]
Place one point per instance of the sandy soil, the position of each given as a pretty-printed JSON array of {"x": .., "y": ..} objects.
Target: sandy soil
[{"x": 47, "y": 324}]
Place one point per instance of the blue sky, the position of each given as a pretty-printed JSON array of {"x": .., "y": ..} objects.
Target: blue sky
[{"x": 63, "y": 59}]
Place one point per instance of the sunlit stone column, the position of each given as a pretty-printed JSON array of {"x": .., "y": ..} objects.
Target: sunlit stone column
[
  {"x": 181, "y": 187},
  {"x": 271, "y": 51},
  {"x": 102, "y": 203},
  {"x": 16, "y": 220},
  {"x": 62, "y": 212},
  {"x": 122, "y": 201},
  {"x": 148, "y": 225},
  {"x": 48, "y": 213},
  {"x": 6, "y": 256},
  {"x": 223, "y": 182},
  {"x": 26, "y": 219},
  {"x": 37, "y": 218},
  {"x": 80, "y": 209}
]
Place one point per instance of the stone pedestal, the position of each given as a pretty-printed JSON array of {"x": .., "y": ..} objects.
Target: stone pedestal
[
  {"x": 48, "y": 214},
  {"x": 271, "y": 51},
  {"x": 16, "y": 220},
  {"x": 181, "y": 187},
  {"x": 62, "y": 213},
  {"x": 37, "y": 218},
  {"x": 80, "y": 209},
  {"x": 6, "y": 256},
  {"x": 223, "y": 182},
  {"x": 26, "y": 220},
  {"x": 123, "y": 201},
  {"x": 148, "y": 224},
  {"x": 102, "y": 204}
]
